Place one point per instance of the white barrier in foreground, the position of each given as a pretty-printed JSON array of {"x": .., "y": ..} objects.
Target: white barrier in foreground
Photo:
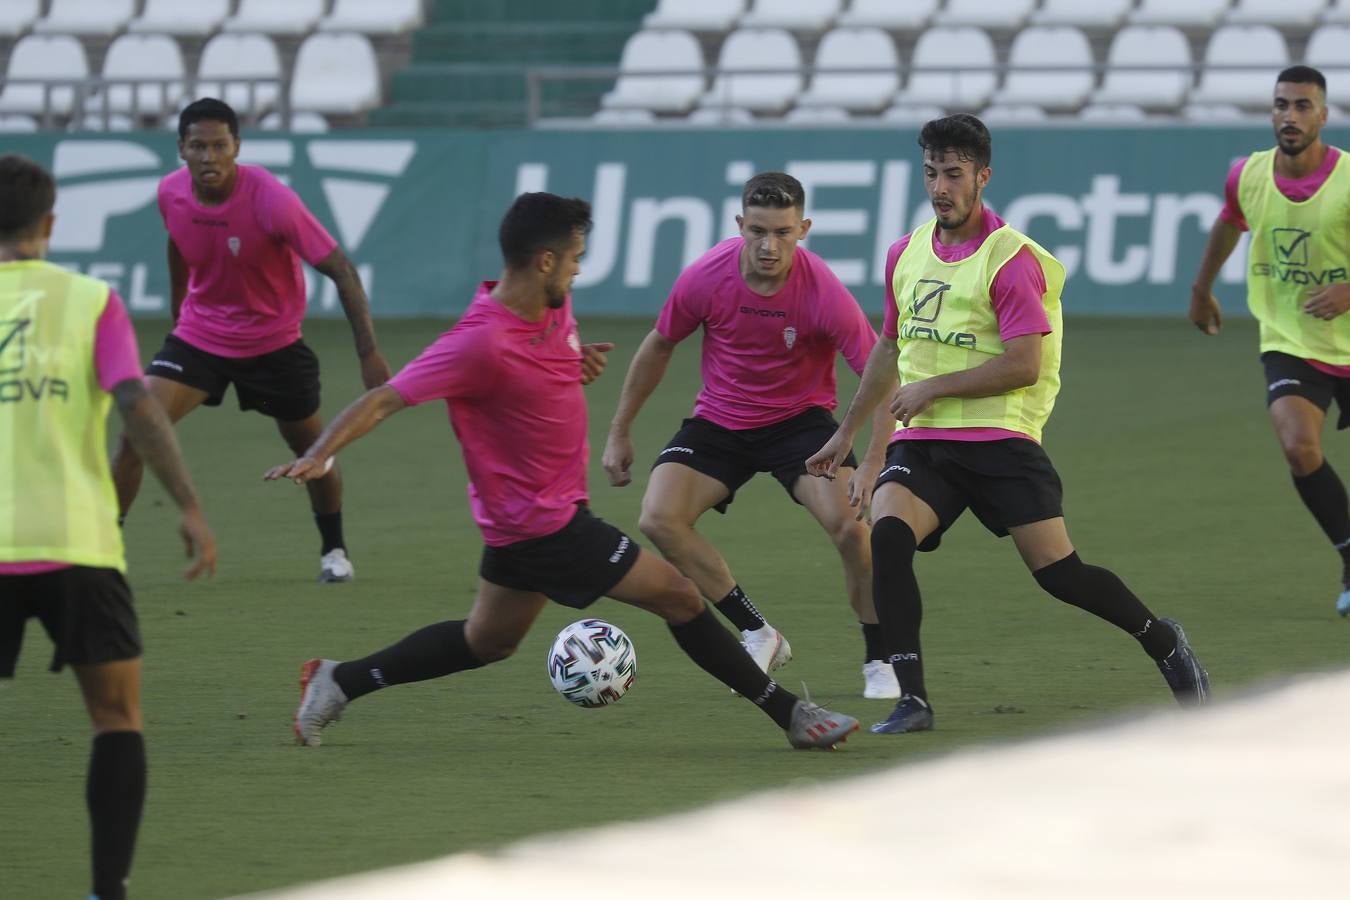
[{"x": 1250, "y": 799}]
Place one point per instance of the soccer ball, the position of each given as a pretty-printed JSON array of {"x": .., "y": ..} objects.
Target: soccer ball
[{"x": 592, "y": 663}]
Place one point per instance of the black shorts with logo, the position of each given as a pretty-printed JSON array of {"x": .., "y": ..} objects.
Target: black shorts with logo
[
  {"x": 574, "y": 566},
  {"x": 734, "y": 457},
  {"x": 1289, "y": 376},
  {"x": 87, "y": 613},
  {"x": 283, "y": 384},
  {"x": 1005, "y": 483}
]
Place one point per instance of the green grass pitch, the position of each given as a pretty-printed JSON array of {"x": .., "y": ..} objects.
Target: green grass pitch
[{"x": 1173, "y": 479}]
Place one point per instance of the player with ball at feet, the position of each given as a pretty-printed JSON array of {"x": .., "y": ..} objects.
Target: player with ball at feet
[{"x": 510, "y": 373}]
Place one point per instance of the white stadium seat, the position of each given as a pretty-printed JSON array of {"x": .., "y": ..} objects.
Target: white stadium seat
[
  {"x": 228, "y": 60},
  {"x": 96, "y": 121},
  {"x": 1328, "y": 52},
  {"x": 1338, "y": 13},
  {"x": 909, "y": 114},
  {"x": 720, "y": 115},
  {"x": 1260, "y": 51},
  {"x": 952, "y": 67},
  {"x": 854, "y": 48},
  {"x": 276, "y": 16},
  {"x": 796, "y": 15},
  {"x": 1112, "y": 112},
  {"x": 626, "y": 118},
  {"x": 817, "y": 115},
  {"x": 86, "y": 17},
  {"x": 695, "y": 15},
  {"x": 1013, "y": 114},
  {"x": 14, "y": 123},
  {"x": 132, "y": 56},
  {"x": 1143, "y": 45},
  {"x": 652, "y": 52},
  {"x": 1029, "y": 81},
  {"x": 335, "y": 74},
  {"x": 893, "y": 15},
  {"x": 301, "y": 122},
  {"x": 765, "y": 71},
  {"x": 1214, "y": 112},
  {"x": 54, "y": 57},
  {"x": 1184, "y": 13},
  {"x": 1101, "y": 14},
  {"x": 384, "y": 17},
  {"x": 196, "y": 19},
  {"x": 17, "y": 15},
  {"x": 1003, "y": 15},
  {"x": 1280, "y": 13}
]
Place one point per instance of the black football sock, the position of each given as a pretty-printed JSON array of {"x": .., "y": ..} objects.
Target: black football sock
[
  {"x": 719, "y": 654},
  {"x": 874, "y": 646},
  {"x": 1100, "y": 592},
  {"x": 1324, "y": 495},
  {"x": 895, "y": 592},
  {"x": 115, "y": 793},
  {"x": 330, "y": 531},
  {"x": 429, "y": 652},
  {"x": 738, "y": 608}
]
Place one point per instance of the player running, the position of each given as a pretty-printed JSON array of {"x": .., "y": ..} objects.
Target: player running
[
  {"x": 67, "y": 355},
  {"x": 236, "y": 238},
  {"x": 1295, "y": 198},
  {"x": 973, "y": 327},
  {"x": 773, "y": 317},
  {"x": 510, "y": 373}
]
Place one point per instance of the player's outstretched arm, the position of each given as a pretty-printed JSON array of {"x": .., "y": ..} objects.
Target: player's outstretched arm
[
  {"x": 152, "y": 436},
  {"x": 352, "y": 294},
  {"x": 1204, "y": 312},
  {"x": 644, "y": 374},
  {"x": 878, "y": 380},
  {"x": 360, "y": 417}
]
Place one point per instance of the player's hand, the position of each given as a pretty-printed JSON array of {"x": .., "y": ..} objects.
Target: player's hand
[
  {"x": 1328, "y": 302},
  {"x": 860, "y": 487},
  {"x": 618, "y": 459},
  {"x": 825, "y": 462},
  {"x": 302, "y": 470},
  {"x": 593, "y": 360},
  {"x": 911, "y": 399},
  {"x": 374, "y": 370},
  {"x": 1205, "y": 312},
  {"x": 200, "y": 544}
]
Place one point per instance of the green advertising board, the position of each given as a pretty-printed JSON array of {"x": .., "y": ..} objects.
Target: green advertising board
[{"x": 1126, "y": 210}]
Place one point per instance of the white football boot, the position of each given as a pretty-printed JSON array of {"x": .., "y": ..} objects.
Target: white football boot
[
  {"x": 767, "y": 647},
  {"x": 335, "y": 566},
  {"x": 321, "y": 701},
  {"x": 879, "y": 681}
]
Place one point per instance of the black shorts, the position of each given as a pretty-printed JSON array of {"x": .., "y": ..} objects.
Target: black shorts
[
  {"x": 734, "y": 457},
  {"x": 283, "y": 384},
  {"x": 86, "y": 612},
  {"x": 574, "y": 566},
  {"x": 1289, "y": 376},
  {"x": 1005, "y": 483}
]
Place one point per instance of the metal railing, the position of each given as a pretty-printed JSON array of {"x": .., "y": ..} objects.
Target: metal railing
[{"x": 95, "y": 103}]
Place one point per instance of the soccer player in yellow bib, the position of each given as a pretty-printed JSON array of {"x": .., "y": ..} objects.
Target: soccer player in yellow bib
[
  {"x": 973, "y": 327},
  {"x": 1295, "y": 199},
  {"x": 67, "y": 355}
]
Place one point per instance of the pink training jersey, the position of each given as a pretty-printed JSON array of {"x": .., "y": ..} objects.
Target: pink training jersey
[
  {"x": 246, "y": 288},
  {"x": 765, "y": 359},
  {"x": 1295, "y": 189},
  {"x": 1016, "y": 292},
  {"x": 116, "y": 359},
  {"x": 513, "y": 391}
]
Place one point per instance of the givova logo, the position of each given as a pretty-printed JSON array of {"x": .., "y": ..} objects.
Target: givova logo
[{"x": 102, "y": 180}]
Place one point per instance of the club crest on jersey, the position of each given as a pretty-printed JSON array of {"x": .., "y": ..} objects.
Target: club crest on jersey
[
  {"x": 574, "y": 342},
  {"x": 233, "y": 244},
  {"x": 789, "y": 336}
]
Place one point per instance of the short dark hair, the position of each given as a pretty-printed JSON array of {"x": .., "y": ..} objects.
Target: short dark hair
[
  {"x": 207, "y": 109},
  {"x": 27, "y": 193},
  {"x": 776, "y": 190},
  {"x": 539, "y": 221},
  {"x": 1303, "y": 75},
  {"x": 962, "y": 134}
]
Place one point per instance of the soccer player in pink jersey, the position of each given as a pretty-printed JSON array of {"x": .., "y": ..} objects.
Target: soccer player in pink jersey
[
  {"x": 972, "y": 328},
  {"x": 513, "y": 367},
  {"x": 1300, "y": 242},
  {"x": 237, "y": 236},
  {"x": 773, "y": 317},
  {"x": 66, "y": 343}
]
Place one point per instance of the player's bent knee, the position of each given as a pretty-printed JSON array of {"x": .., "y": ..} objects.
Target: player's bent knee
[
  {"x": 1303, "y": 455},
  {"x": 657, "y": 527},
  {"x": 850, "y": 537},
  {"x": 680, "y": 600}
]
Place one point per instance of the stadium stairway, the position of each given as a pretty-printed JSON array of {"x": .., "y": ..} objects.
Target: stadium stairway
[{"x": 469, "y": 61}]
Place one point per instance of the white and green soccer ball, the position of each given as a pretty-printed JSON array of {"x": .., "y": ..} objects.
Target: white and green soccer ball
[{"x": 592, "y": 663}]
